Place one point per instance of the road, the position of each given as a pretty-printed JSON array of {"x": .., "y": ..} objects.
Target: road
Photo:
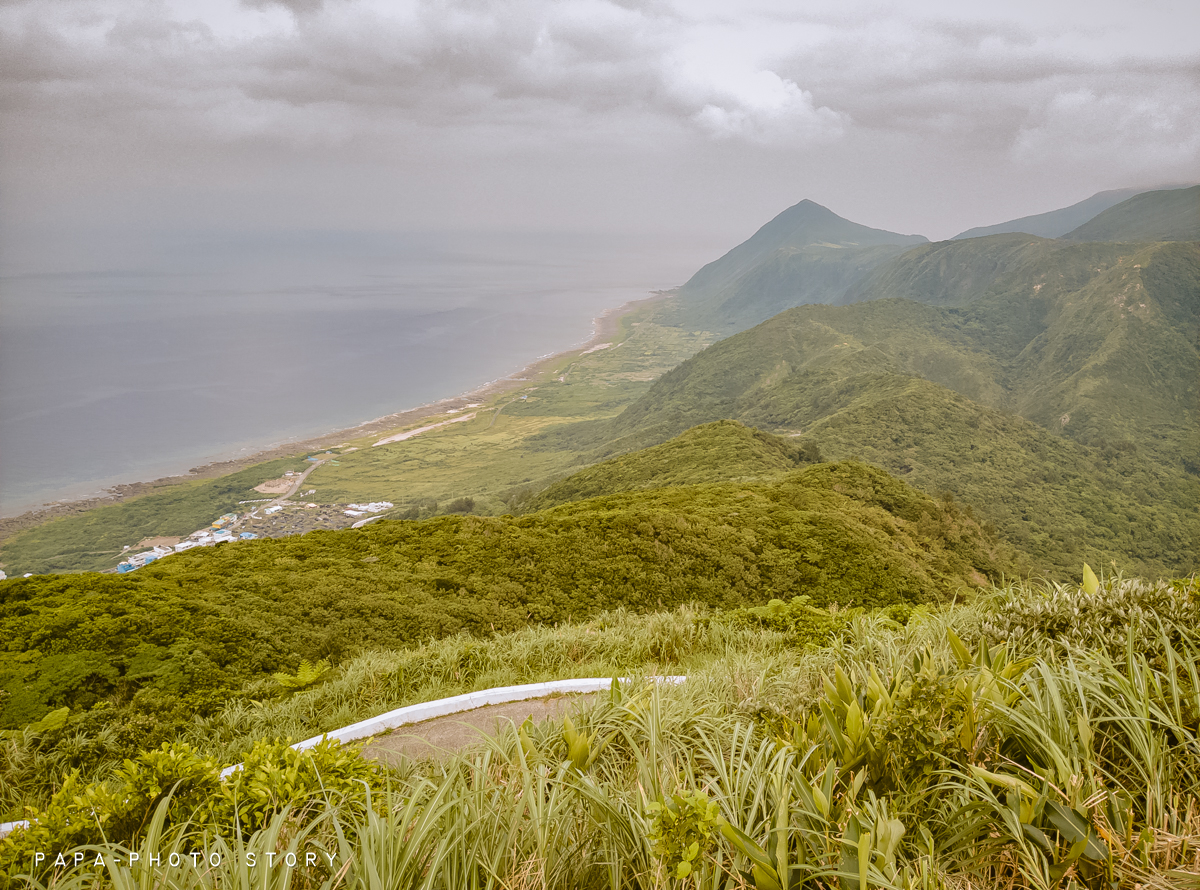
[{"x": 283, "y": 497}]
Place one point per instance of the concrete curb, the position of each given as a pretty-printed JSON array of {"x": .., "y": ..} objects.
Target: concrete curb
[
  {"x": 428, "y": 710},
  {"x": 456, "y": 704}
]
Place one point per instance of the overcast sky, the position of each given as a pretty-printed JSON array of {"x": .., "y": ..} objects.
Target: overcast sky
[{"x": 663, "y": 116}]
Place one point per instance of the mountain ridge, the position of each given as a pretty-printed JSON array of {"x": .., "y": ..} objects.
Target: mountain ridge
[
  {"x": 1163, "y": 215},
  {"x": 1057, "y": 223}
]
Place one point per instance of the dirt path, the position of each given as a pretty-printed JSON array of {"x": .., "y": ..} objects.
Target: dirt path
[
  {"x": 400, "y": 437},
  {"x": 443, "y": 736}
]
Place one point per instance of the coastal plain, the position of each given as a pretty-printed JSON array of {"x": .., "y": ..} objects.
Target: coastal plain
[{"x": 484, "y": 459}]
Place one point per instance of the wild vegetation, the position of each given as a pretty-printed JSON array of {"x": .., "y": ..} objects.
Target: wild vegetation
[
  {"x": 863, "y": 707},
  {"x": 715, "y": 452},
  {"x": 919, "y": 750},
  {"x": 148, "y": 650},
  {"x": 1058, "y": 398}
]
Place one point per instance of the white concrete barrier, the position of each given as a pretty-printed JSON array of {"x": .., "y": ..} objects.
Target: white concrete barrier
[
  {"x": 428, "y": 710},
  {"x": 454, "y": 705}
]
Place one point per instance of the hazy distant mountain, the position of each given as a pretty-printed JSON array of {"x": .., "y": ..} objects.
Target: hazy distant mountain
[
  {"x": 1166, "y": 215},
  {"x": 1051, "y": 384},
  {"x": 1055, "y": 223},
  {"x": 807, "y": 254}
]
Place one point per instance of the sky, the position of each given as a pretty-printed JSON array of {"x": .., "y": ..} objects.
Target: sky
[{"x": 651, "y": 118}]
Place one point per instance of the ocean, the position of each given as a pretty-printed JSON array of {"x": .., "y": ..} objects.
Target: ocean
[{"x": 213, "y": 348}]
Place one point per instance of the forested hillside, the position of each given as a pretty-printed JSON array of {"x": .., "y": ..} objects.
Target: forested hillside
[
  {"x": 720, "y": 451},
  {"x": 1080, "y": 361},
  {"x": 183, "y": 633}
]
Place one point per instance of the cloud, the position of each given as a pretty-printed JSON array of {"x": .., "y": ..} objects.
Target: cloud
[
  {"x": 1152, "y": 115},
  {"x": 537, "y": 67},
  {"x": 769, "y": 110},
  {"x": 296, "y": 7},
  {"x": 508, "y": 89},
  {"x": 1004, "y": 89}
]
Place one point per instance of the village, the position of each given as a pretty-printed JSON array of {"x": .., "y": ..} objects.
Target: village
[{"x": 268, "y": 518}]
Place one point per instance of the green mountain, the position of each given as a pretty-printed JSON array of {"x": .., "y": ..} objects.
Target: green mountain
[
  {"x": 714, "y": 452},
  {"x": 182, "y": 635},
  {"x": 1167, "y": 215},
  {"x": 957, "y": 273},
  {"x": 1055, "y": 223},
  {"x": 1080, "y": 362},
  {"x": 807, "y": 254}
]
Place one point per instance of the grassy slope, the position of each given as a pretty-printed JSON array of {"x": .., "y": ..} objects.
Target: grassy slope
[
  {"x": 190, "y": 629},
  {"x": 917, "y": 730},
  {"x": 958, "y": 273},
  {"x": 1168, "y": 215},
  {"x": 1054, "y": 223},
  {"x": 801, "y": 225},
  {"x": 789, "y": 277},
  {"x": 1061, "y": 503},
  {"x": 715, "y": 452}
]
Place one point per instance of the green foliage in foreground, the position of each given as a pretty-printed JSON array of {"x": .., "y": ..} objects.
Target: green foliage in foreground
[
  {"x": 188, "y": 786},
  {"x": 36, "y": 761},
  {"x": 92, "y": 541},
  {"x": 906, "y": 757},
  {"x": 183, "y": 634}
]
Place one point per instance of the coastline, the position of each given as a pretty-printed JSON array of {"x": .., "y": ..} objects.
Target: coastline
[{"x": 604, "y": 326}]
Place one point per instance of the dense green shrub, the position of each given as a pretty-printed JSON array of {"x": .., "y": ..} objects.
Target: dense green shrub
[
  {"x": 803, "y": 624},
  {"x": 273, "y": 778},
  {"x": 911, "y": 759},
  {"x": 1112, "y": 616}
]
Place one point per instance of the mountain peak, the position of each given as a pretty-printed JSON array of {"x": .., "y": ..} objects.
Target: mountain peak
[{"x": 805, "y": 224}]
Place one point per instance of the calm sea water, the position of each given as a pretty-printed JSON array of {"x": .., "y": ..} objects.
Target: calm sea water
[{"x": 208, "y": 349}]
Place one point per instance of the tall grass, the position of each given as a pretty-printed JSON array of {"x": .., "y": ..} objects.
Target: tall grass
[{"x": 922, "y": 756}]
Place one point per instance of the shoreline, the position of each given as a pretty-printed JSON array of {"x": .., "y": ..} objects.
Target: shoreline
[{"x": 603, "y": 327}]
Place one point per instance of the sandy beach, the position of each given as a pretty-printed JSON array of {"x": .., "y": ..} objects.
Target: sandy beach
[{"x": 604, "y": 327}]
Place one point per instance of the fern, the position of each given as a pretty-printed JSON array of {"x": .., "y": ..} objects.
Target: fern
[{"x": 306, "y": 675}]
